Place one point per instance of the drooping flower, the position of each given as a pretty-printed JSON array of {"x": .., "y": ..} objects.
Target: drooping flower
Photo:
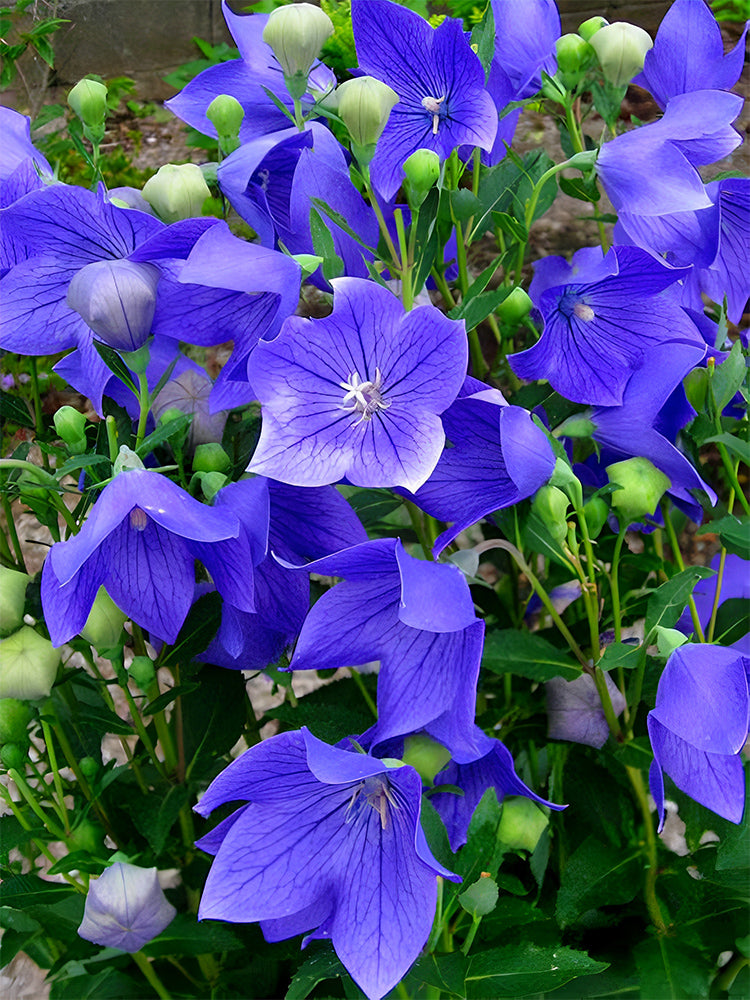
[
  {"x": 125, "y": 908},
  {"x": 600, "y": 322},
  {"x": 688, "y": 55},
  {"x": 140, "y": 542},
  {"x": 698, "y": 727},
  {"x": 733, "y": 584},
  {"x": 525, "y": 36},
  {"x": 443, "y": 102},
  {"x": 358, "y": 394},
  {"x": 418, "y": 619},
  {"x": 329, "y": 842}
]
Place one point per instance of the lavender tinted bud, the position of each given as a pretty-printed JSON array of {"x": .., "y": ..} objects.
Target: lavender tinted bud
[
  {"x": 117, "y": 299},
  {"x": 28, "y": 665},
  {"x": 177, "y": 191},
  {"x": 125, "y": 908},
  {"x": 12, "y": 599},
  {"x": 70, "y": 424},
  {"x": 226, "y": 114},
  {"x": 425, "y": 755},
  {"x": 297, "y": 33},
  {"x": 104, "y": 623},
  {"x": 590, "y": 27},
  {"x": 89, "y": 101},
  {"x": 364, "y": 104},
  {"x": 574, "y": 710},
  {"x": 642, "y": 486},
  {"x": 621, "y": 49}
]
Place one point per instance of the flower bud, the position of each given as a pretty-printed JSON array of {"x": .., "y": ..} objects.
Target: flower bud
[
  {"x": 104, "y": 623},
  {"x": 142, "y": 671},
  {"x": 89, "y": 767},
  {"x": 70, "y": 424},
  {"x": 12, "y": 599},
  {"x": 117, "y": 299},
  {"x": 422, "y": 170},
  {"x": 425, "y": 755},
  {"x": 642, "y": 486},
  {"x": 297, "y": 33},
  {"x": 522, "y": 823},
  {"x": 364, "y": 104},
  {"x": 86, "y": 836},
  {"x": 551, "y": 505},
  {"x": 590, "y": 27},
  {"x": 574, "y": 710},
  {"x": 15, "y": 717},
  {"x": 28, "y": 665},
  {"x": 621, "y": 49},
  {"x": 177, "y": 191},
  {"x": 595, "y": 511},
  {"x": 210, "y": 457},
  {"x": 696, "y": 388},
  {"x": 574, "y": 56},
  {"x": 226, "y": 115},
  {"x": 89, "y": 101},
  {"x": 190, "y": 392},
  {"x": 125, "y": 908},
  {"x": 12, "y": 756},
  {"x": 211, "y": 483},
  {"x": 515, "y": 307}
]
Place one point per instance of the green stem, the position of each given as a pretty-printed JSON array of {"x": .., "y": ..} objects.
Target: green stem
[
  {"x": 38, "y": 420},
  {"x": 357, "y": 678},
  {"x": 731, "y": 472},
  {"x": 407, "y": 291},
  {"x": 717, "y": 597},
  {"x": 57, "y": 781},
  {"x": 615, "y": 583},
  {"x": 20, "y": 562},
  {"x": 573, "y": 127},
  {"x": 652, "y": 871},
  {"x": 112, "y": 443},
  {"x": 144, "y": 403},
  {"x": 729, "y": 973},
  {"x": 417, "y": 522},
  {"x": 609, "y": 713},
  {"x": 469, "y": 940},
  {"x": 148, "y": 971},
  {"x": 375, "y": 205},
  {"x": 640, "y": 672},
  {"x": 677, "y": 556},
  {"x": 28, "y": 794},
  {"x": 443, "y": 287}
]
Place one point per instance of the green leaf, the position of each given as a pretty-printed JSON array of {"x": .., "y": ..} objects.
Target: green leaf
[
  {"x": 76, "y": 861},
  {"x": 213, "y": 715},
  {"x": 734, "y": 849},
  {"x": 595, "y": 875},
  {"x": 671, "y": 971},
  {"x": 331, "y": 713},
  {"x": 371, "y": 506},
  {"x": 483, "y": 39},
  {"x": 728, "y": 377},
  {"x": 323, "y": 965},
  {"x": 338, "y": 220},
  {"x": 154, "y": 817},
  {"x": 581, "y": 188},
  {"x": 445, "y": 973},
  {"x": 104, "y": 720},
  {"x": 185, "y": 936},
  {"x": 620, "y": 654},
  {"x": 508, "y": 651},
  {"x": 668, "y": 602},
  {"x": 324, "y": 247},
  {"x": 734, "y": 533},
  {"x": 25, "y": 891},
  {"x": 464, "y": 204},
  {"x": 15, "y": 411},
  {"x": 17, "y": 920},
  {"x": 116, "y": 365},
  {"x": 475, "y": 310},
  {"x": 507, "y": 187},
  {"x": 735, "y": 445},
  {"x": 732, "y": 620},
  {"x": 109, "y": 984},
  {"x": 480, "y": 898},
  {"x": 166, "y": 699},
  {"x": 520, "y": 970},
  {"x": 172, "y": 428}
]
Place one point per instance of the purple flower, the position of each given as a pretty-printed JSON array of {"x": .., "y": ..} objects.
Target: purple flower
[
  {"x": 735, "y": 583},
  {"x": 244, "y": 79},
  {"x": 21, "y": 164},
  {"x": 688, "y": 54},
  {"x": 498, "y": 457},
  {"x": 328, "y": 842},
  {"x": 140, "y": 542},
  {"x": 525, "y": 36},
  {"x": 600, "y": 323},
  {"x": 418, "y": 619},
  {"x": 729, "y": 273},
  {"x": 443, "y": 102},
  {"x": 698, "y": 727},
  {"x": 125, "y": 908},
  {"x": 358, "y": 394},
  {"x": 652, "y": 170},
  {"x": 574, "y": 710}
]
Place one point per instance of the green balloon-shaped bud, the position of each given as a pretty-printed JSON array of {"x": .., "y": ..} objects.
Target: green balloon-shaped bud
[
  {"x": 516, "y": 307},
  {"x": 595, "y": 511},
  {"x": 12, "y": 756},
  {"x": 621, "y": 49},
  {"x": 422, "y": 170},
  {"x": 425, "y": 755},
  {"x": 104, "y": 623},
  {"x": 521, "y": 824},
  {"x": 210, "y": 457},
  {"x": 226, "y": 115},
  {"x": 70, "y": 424},
  {"x": 86, "y": 836},
  {"x": 28, "y": 665},
  {"x": 12, "y": 599},
  {"x": 142, "y": 671},
  {"x": 297, "y": 33},
  {"x": 88, "y": 99},
  {"x": 642, "y": 486},
  {"x": 551, "y": 506},
  {"x": 364, "y": 104},
  {"x": 574, "y": 57},
  {"x": 590, "y": 27},
  {"x": 15, "y": 717},
  {"x": 177, "y": 191}
]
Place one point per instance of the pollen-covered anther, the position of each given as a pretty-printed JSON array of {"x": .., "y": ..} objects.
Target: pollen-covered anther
[
  {"x": 365, "y": 397},
  {"x": 432, "y": 104},
  {"x": 138, "y": 519},
  {"x": 583, "y": 311},
  {"x": 373, "y": 792}
]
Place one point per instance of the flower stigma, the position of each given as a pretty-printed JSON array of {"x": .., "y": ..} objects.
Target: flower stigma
[
  {"x": 582, "y": 311},
  {"x": 374, "y": 792},
  {"x": 365, "y": 398},
  {"x": 432, "y": 104}
]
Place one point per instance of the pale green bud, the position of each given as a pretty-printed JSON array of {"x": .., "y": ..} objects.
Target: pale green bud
[
  {"x": 70, "y": 424},
  {"x": 15, "y": 717},
  {"x": 590, "y": 27},
  {"x": 425, "y": 755},
  {"x": 89, "y": 101},
  {"x": 142, "y": 671},
  {"x": 28, "y": 665},
  {"x": 642, "y": 486},
  {"x": 551, "y": 506},
  {"x": 696, "y": 387},
  {"x": 12, "y": 599},
  {"x": 516, "y": 307},
  {"x": 177, "y": 191},
  {"x": 422, "y": 170},
  {"x": 364, "y": 104},
  {"x": 621, "y": 49},
  {"x": 595, "y": 511},
  {"x": 297, "y": 33},
  {"x": 210, "y": 457},
  {"x": 521, "y": 824},
  {"x": 226, "y": 115},
  {"x": 574, "y": 56},
  {"x": 104, "y": 623}
]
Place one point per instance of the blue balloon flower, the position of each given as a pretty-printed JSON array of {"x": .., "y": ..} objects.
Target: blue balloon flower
[{"x": 125, "y": 908}]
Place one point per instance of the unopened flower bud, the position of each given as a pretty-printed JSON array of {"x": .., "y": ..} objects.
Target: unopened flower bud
[
  {"x": 364, "y": 104},
  {"x": 297, "y": 33},
  {"x": 595, "y": 511},
  {"x": 211, "y": 483},
  {"x": 422, "y": 170},
  {"x": 117, "y": 299},
  {"x": 590, "y": 27},
  {"x": 12, "y": 756},
  {"x": 226, "y": 115},
  {"x": 28, "y": 665},
  {"x": 89, "y": 101},
  {"x": 15, "y": 717},
  {"x": 125, "y": 908},
  {"x": 574, "y": 56},
  {"x": 210, "y": 457},
  {"x": 522, "y": 823},
  {"x": 104, "y": 623},
  {"x": 86, "y": 836},
  {"x": 642, "y": 486},
  {"x": 551, "y": 506},
  {"x": 142, "y": 671},
  {"x": 515, "y": 307},
  {"x": 621, "y": 49},
  {"x": 190, "y": 392},
  {"x": 177, "y": 191},
  {"x": 574, "y": 710},
  {"x": 696, "y": 388},
  {"x": 12, "y": 599},
  {"x": 70, "y": 424},
  {"x": 89, "y": 767},
  {"x": 425, "y": 755}
]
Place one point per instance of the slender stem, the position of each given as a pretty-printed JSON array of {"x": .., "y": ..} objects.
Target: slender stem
[
  {"x": 469, "y": 940},
  {"x": 615, "y": 583},
  {"x": 38, "y": 419},
  {"x": 731, "y": 472},
  {"x": 652, "y": 871},
  {"x": 357, "y": 678},
  {"x": 717, "y": 597},
  {"x": 609, "y": 712},
  {"x": 417, "y": 521},
  {"x": 573, "y": 127},
  {"x": 677, "y": 556},
  {"x": 57, "y": 781},
  {"x": 407, "y": 291},
  {"x": 148, "y": 971},
  {"x": 144, "y": 403},
  {"x": 28, "y": 794},
  {"x": 375, "y": 205},
  {"x": 13, "y": 533},
  {"x": 443, "y": 287},
  {"x": 729, "y": 973},
  {"x": 112, "y": 443}
]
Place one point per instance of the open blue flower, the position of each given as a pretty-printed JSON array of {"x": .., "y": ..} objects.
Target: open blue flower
[
  {"x": 698, "y": 727},
  {"x": 443, "y": 102},
  {"x": 328, "y": 842}
]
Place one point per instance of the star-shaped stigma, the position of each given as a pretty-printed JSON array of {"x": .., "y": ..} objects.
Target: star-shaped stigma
[{"x": 365, "y": 398}]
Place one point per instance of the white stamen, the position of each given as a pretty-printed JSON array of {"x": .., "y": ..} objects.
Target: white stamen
[
  {"x": 138, "y": 519},
  {"x": 432, "y": 104},
  {"x": 365, "y": 398},
  {"x": 582, "y": 311}
]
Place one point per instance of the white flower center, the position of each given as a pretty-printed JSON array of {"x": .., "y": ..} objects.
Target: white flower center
[
  {"x": 365, "y": 398},
  {"x": 583, "y": 311},
  {"x": 138, "y": 519},
  {"x": 373, "y": 792},
  {"x": 432, "y": 104}
]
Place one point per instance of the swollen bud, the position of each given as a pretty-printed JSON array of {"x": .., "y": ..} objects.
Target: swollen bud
[
  {"x": 104, "y": 623},
  {"x": 595, "y": 511},
  {"x": 551, "y": 506},
  {"x": 211, "y": 457},
  {"x": 696, "y": 388},
  {"x": 89, "y": 101},
  {"x": 422, "y": 170},
  {"x": 142, "y": 671},
  {"x": 574, "y": 56},
  {"x": 12, "y": 599},
  {"x": 516, "y": 307},
  {"x": 297, "y": 33},
  {"x": 522, "y": 823},
  {"x": 28, "y": 665},
  {"x": 590, "y": 27},
  {"x": 226, "y": 114},
  {"x": 177, "y": 191},
  {"x": 621, "y": 49},
  {"x": 364, "y": 104},
  {"x": 117, "y": 299},
  {"x": 425, "y": 755},
  {"x": 642, "y": 486},
  {"x": 70, "y": 424},
  {"x": 15, "y": 717}
]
